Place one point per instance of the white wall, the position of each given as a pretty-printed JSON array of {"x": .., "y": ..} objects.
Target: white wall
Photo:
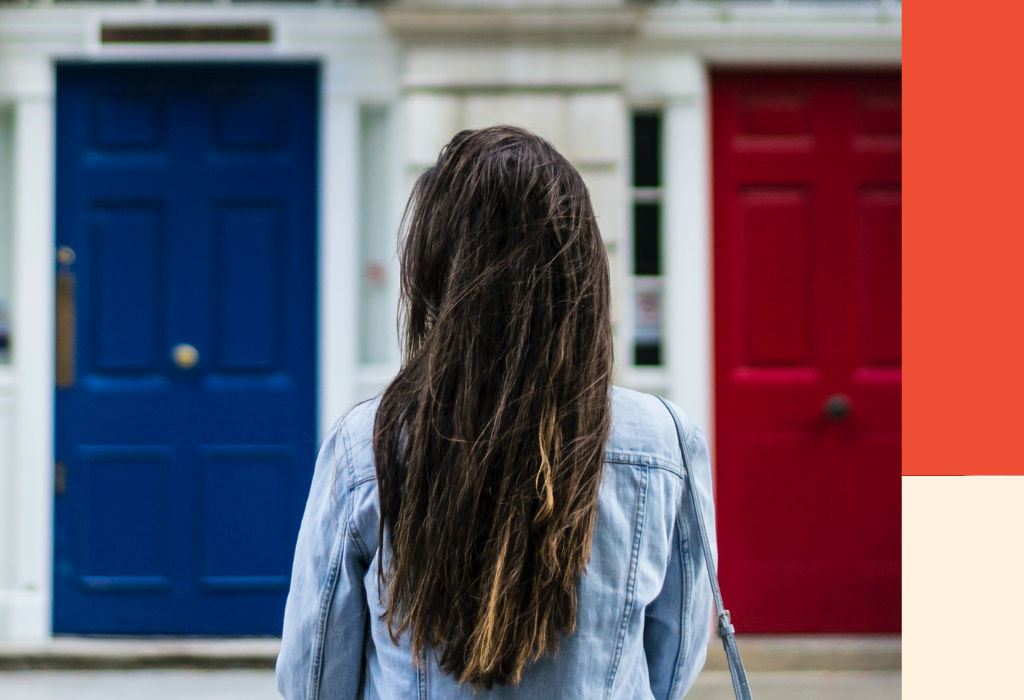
[
  {"x": 7, "y": 395},
  {"x": 6, "y": 174}
]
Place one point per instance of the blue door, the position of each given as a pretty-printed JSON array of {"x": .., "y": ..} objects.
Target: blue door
[{"x": 186, "y": 306}]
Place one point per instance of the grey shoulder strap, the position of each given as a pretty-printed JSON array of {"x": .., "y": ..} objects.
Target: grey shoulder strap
[{"x": 725, "y": 629}]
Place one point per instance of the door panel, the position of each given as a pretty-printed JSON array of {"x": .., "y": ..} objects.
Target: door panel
[
  {"x": 187, "y": 194},
  {"x": 807, "y": 208}
]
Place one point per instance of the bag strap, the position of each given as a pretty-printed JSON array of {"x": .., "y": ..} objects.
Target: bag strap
[{"x": 725, "y": 628}]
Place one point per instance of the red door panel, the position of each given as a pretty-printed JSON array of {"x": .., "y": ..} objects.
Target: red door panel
[{"x": 807, "y": 211}]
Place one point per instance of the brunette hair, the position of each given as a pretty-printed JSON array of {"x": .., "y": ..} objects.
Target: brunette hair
[{"x": 490, "y": 441}]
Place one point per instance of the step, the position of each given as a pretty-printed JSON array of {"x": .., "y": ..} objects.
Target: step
[
  {"x": 139, "y": 652},
  {"x": 760, "y": 653},
  {"x": 812, "y": 653}
]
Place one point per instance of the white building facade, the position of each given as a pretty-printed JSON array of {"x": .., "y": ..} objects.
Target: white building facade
[{"x": 396, "y": 81}]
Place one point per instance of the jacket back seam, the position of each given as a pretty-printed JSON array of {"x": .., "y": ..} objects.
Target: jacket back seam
[
  {"x": 333, "y": 572},
  {"x": 326, "y": 598},
  {"x": 638, "y": 528},
  {"x": 687, "y": 598},
  {"x": 421, "y": 679}
]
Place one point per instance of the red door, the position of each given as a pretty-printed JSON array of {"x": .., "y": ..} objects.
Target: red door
[{"x": 807, "y": 207}]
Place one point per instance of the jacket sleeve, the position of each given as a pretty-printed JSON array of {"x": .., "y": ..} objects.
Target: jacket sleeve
[
  {"x": 678, "y": 621},
  {"x": 326, "y": 614}
]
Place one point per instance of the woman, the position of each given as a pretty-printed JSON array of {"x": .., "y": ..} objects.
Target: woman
[{"x": 501, "y": 522}]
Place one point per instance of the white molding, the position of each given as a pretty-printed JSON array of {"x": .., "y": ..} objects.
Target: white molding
[
  {"x": 687, "y": 248},
  {"x": 360, "y": 57},
  {"x": 653, "y": 380},
  {"x": 371, "y": 380},
  {"x": 8, "y": 444},
  {"x": 768, "y": 34},
  {"x": 338, "y": 259},
  {"x": 7, "y": 382},
  {"x": 30, "y": 559},
  {"x": 444, "y": 22},
  {"x": 500, "y": 66}
]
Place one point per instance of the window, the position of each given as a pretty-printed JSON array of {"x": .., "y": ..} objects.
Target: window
[
  {"x": 647, "y": 264},
  {"x": 378, "y": 343}
]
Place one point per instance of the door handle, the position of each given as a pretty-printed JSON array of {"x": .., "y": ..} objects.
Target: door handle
[
  {"x": 60, "y": 478},
  {"x": 66, "y": 319},
  {"x": 837, "y": 407},
  {"x": 184, "y": 356}
]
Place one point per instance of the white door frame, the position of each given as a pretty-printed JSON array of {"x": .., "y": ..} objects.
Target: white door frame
[{"x": 358, "y": 63}]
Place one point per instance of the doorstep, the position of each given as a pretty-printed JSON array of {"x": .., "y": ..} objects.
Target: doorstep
[
  {"x": 138, "y": 652},
  {"x": 760, "y": 653},
  {"x": 785, "y": 652}
]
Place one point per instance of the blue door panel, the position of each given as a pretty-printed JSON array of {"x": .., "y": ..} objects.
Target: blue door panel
[
  {"x": 128, "y": 297},
  {"x": 187, "y": 193},
  {"x": 138, "y": 525},
  {"x": 249, "y": 250},
  {"x": 240, "y": 513}
]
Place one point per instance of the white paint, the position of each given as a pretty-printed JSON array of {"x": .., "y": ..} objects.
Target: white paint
[
  {"x": 339, "y": 256},
  {"x": 452, "y": 66},
  {"x": 27, "y": 597},
  {"x": 431, "y": 120},
  {"x": 597, "y": 128},
  {"x": 541, "y": 113},
  {"x": 654, "y": 75},
  {"x": 7, "y": 512},
  {"x": 687, "y": 254},
  {"x": 607, "y": 196},
  {"x": 8, "y": 401},
  {"x": 6, "y": 173},
  {"x": 786, "y": 33}
]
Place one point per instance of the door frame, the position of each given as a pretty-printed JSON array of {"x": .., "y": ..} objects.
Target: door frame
[{"x": 357, "y": 66}]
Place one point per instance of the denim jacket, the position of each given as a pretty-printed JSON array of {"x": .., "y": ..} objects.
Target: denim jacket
[{"x": 644, "y": 602}]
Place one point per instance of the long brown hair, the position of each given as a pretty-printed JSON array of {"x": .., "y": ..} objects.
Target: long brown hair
[{"x": 490, "y": 441}]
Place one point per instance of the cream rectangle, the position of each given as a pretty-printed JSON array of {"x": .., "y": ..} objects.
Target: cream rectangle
[{"x": 963, "y": 574}]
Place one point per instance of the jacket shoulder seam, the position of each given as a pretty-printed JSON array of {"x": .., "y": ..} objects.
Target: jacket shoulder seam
[{"x": 643, "y": 459}]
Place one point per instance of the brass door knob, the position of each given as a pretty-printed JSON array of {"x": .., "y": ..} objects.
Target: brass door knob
[
  {"x": 65, "y": 255},
  {"x": 185, "y": 356}
]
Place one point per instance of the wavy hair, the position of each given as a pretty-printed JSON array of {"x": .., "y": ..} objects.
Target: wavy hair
[{"x": 489, "y": 443}]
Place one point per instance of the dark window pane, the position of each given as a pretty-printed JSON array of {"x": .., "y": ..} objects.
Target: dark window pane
[
  {"x": 646, "y": 239},
  {"x": 646, "y": 150},
  {"x": 647, "y": 354}
]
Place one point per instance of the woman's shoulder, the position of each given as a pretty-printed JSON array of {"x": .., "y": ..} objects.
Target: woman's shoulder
[
  {"x": 353, "y": 444},
  {"x": 643, "y": 430}
]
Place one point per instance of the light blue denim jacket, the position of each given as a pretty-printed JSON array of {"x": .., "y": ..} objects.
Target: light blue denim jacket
[{"x": 644, "y": 603}]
